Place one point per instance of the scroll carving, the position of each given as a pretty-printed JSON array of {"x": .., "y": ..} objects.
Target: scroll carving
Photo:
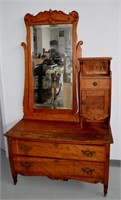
[
  {"x": 58, "y": 178},
  {"x": 51, "y": 17},
  {"x": 79, "y": 49}
]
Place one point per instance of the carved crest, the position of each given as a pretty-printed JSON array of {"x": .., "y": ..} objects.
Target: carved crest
[{"x": 51, "y": 17}]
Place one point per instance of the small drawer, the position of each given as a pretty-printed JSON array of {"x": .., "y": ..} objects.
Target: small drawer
[
  {"x": 54, "y": 168},
  {"x": 56, "y": 150},
  {"x": 89, "y": 170},
  {"x": 93, "y": 83}
]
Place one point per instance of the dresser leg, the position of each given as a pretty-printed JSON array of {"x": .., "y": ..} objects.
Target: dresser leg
[
  {"x": 105, "y": 190},
  {"x": 15, "y": 179}
]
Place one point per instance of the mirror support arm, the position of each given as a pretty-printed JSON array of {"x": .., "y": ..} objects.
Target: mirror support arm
[
  {"x": 77, "y": 90},
  {"x": 26, "y": 85},
  {"x": 79, "y": 54}
]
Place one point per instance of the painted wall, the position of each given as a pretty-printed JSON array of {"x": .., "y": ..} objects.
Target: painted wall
[
  {"x": 99, "y": 27},
  {"x": 2, "y": 145}
]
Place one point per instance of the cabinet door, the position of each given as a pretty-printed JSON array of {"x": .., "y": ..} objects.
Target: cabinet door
[{"x": 95, "y": 104}]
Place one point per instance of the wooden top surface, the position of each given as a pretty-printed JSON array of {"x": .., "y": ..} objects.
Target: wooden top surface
[
  {"x": 62, "y": 132},
  {"x": 95, "y": 58}
]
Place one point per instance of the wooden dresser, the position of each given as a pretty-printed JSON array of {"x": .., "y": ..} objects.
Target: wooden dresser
[
  {"x": 65, "y": 143},
  {"x": 68, "y": 150},
  {"x": 60, "y": 151}
]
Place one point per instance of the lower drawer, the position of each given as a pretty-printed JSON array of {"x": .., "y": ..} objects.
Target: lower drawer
[
  {"x": 58, "y": 168},
  {"x": 43, "y": 166}
]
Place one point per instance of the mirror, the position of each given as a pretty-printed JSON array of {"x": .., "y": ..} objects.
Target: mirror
[{"x": 51, "y": 66}]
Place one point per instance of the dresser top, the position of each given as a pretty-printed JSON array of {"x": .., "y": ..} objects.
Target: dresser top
[{"x": 62, "y": 132}]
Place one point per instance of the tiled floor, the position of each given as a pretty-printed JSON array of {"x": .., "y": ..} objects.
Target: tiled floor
[{"x": 43, "y": 188}]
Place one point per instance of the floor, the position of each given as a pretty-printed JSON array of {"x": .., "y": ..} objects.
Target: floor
[{"x": 43, "y": 188}]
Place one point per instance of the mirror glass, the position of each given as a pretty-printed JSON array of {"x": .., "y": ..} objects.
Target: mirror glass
[{"x": 51, "y": 49}]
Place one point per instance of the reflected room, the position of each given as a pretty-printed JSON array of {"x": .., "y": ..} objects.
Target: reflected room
[{"x": 51, "y": 49}]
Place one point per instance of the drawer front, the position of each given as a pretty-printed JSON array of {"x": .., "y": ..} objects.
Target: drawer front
[
  {"x": 58, "y": 169},
  {"x": 94, "y": 83},
  {"x": 54, "y": 168},
  {"x": 56, "y": 150},
  {"x": 89, "y": 170}
]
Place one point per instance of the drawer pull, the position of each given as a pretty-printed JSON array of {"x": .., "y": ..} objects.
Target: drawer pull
[
  {"x": 87, "y": 170},
  {"x": 88, "y": 153},
  {"x": 95, "y": 83},
  {"x": 56, "y": 161},
  {"x": 25, "y": 148},
  {"x": 56, "y": 144},
  {"x": 26, "y": 165},
  {"x": 84, "y": 102}
]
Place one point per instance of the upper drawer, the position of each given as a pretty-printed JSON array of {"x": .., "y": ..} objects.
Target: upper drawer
[
  {"x": 55, "y": 150},
  {"x": 94, "y": 83}
]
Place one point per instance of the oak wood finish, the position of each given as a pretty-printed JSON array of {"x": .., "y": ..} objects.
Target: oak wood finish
[
  {"x": 48, "y": 148},
  {"x": 95, "y": 90},
  {"x": 43, "y": 18},
  {"x": 67, "y": 144}
]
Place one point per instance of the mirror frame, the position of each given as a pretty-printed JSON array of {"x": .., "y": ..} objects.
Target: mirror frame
[{"x": 44, "y": 18}]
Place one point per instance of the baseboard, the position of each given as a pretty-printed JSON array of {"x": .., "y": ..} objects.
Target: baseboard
[{"x": 115, "y": 163}]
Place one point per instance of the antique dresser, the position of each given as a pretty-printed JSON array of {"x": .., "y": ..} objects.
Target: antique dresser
[{"x": 65, "y": 132}]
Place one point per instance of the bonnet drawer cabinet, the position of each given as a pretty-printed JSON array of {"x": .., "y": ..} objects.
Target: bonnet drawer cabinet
[{"x": 95, "y": 90}]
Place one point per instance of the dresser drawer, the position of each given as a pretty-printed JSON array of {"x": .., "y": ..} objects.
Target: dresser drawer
[
  {"x": 89, "y": 170},
  {"x": 56, "y": 150},
  {"x": 54, "y": 168},
  {"x": 57, "y": 168},
  {"x": 93, "y": 83}
]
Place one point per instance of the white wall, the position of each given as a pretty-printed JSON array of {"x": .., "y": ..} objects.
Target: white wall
[
  {"x": 98, "y": 27},
  {"x": 2, "y": 116}
]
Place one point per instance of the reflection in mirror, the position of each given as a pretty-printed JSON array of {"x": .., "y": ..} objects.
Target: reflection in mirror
[{"x": 52, "y": 66}]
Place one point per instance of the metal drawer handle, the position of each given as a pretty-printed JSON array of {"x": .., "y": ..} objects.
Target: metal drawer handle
[
  {"x": 56, "y": 144},
  {"x": 56, "y": 161},
  {"x": 87, "y": 170},
  {"x": 95, "y": 83},
  {"x": 26, "y": 165},
  {"x": 25, "y": 148},
  {"x": 88, "y": 153},
  {"x": 84, "y": 102}
]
